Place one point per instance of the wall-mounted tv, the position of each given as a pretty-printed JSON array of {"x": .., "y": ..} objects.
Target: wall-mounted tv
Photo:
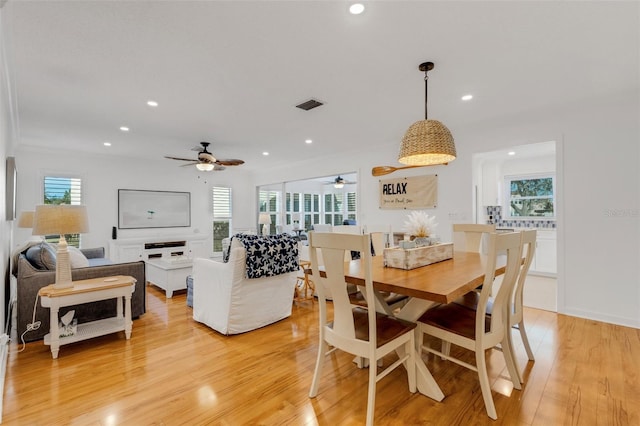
[{"x": 153, "y": 209}]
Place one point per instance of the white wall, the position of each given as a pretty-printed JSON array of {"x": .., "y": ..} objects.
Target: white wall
[
  {"x": 598, "y": 179},
  {"x": 6, "y": 149},
  {"x": 102, "y": 176}
]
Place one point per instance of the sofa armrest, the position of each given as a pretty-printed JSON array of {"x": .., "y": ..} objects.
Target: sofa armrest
[{"x": 93, "y": 253}]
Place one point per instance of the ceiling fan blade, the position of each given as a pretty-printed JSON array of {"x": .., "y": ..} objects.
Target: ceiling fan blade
[
  {"x": 178, "y": 158},
  {"x": 229, "y": 162}
]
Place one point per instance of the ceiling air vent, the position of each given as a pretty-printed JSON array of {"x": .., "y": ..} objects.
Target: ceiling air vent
[{"x": 310, "y": 104}]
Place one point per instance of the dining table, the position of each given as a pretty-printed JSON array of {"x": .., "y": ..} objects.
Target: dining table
[{"x": 441, "y": 282}]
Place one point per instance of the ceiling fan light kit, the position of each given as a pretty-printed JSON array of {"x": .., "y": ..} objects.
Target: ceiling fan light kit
[
  {"x": 205, "y": 167},
  {"x": 427, "y": 142}
]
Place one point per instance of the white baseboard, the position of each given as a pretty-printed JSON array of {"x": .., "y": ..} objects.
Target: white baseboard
[{"x": 597, "y": 316}]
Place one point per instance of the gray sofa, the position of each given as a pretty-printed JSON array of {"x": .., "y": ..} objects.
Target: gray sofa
[{"x": 31, "y": 278}]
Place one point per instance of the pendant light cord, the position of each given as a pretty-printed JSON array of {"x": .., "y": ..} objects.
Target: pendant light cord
[{"x": 426, "y": 78}]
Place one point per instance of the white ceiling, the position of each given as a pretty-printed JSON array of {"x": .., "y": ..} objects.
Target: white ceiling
[{"x": 232, "y": 72}]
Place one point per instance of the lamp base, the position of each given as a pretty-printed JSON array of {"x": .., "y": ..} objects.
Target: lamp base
[
  {"x": 265, "y": 229},
  {"x": 63, "y": 266}
]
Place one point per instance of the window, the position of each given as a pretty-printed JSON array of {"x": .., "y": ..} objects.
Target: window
[
  {"x": 305, "y": 208},
  {"x": 531, "y": 196},
  {"x": 63, "y": 190},
  {"x": 338, "y": 207},
  {"x": 270, "y": 203},
  {"x": 222, "y": 213}
]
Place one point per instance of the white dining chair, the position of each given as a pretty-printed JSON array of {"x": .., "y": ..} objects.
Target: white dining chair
[
  {"x": 475, "y": 330},
  {"x": 360, "y": 332},
  {"x": 468, "y": 236},
  {"x": 516, "y": 307}
]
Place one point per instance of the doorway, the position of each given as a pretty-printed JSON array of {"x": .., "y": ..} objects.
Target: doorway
[{"x": 515, "y": 188}]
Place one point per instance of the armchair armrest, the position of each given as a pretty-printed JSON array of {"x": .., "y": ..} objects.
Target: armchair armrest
[{"x": 212, "y": 287}]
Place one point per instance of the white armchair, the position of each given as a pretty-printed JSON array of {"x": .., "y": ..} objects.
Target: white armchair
[{"x": 225, "y": 300}]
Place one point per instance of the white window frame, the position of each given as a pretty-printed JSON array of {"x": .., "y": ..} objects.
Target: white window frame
[
  {"x": 266, "y": 208},
  {"x": 507, "y": 196},
  {"x": 224, "y": 213},
  {"x": 344, "y": 211},
  {"x": 76, "y": 197}
]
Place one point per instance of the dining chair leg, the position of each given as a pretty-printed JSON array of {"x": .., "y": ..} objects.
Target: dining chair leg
[
  {"x": 525, "y": 340},
  {"x": 315, "y": 383},
  {"x": 371, "y": 395},
  {"x": 509, "y": 346},
  {"x": 485, "y": 387},
  {"x": 510, "y": 359}
]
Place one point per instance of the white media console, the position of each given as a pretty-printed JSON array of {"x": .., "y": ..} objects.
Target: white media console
[{"x": 162, "y": 247}]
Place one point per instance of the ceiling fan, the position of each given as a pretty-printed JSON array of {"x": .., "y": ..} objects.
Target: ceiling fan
[
  {"x": 340, "y": 182},
  {"x": 206, "y": 162}
]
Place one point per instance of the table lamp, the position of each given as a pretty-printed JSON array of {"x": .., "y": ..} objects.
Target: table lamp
[
  {"x": 265, "y": 220},
  {"x": 296, "y": 221},
  {"x": 61, "y": 219}
]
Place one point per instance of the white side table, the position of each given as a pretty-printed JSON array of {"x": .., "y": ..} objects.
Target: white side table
[
  {"x": 169, "y": 275},
  {"x": 84, "y": 291}
]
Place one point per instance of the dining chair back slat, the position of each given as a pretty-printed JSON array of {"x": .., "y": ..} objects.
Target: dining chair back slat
[{"x": 468, "y": 236}]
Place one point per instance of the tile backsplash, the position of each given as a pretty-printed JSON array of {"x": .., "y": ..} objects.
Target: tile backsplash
[{"x": 494, "y": 214}]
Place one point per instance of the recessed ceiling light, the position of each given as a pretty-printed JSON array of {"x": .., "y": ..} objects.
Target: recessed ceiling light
[
  {"x": 124, "y": 128},
  {"x": 152, "y": 103},
  {"x": 308, "y": 141},
  {"x": 107, "y": 144},
  {"x": 356, "y": 8},
  {"x": 265, "y": 153},
  {"x": 467, "y": 97},
  {"x": 511, "y": 153}
]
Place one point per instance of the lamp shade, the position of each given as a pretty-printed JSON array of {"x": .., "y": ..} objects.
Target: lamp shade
[
  {"x": 264, "y": 219},
  {"x": 427, "y": 142},
  {"x": 26, "y": 220},
  {"x": 60, "y": 219}
]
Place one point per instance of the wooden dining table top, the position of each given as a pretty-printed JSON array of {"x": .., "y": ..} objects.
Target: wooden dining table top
[{"x": 441, "y": 282}]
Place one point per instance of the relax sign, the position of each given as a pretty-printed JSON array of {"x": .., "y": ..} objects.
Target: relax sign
[{"x": 418, "y": 192}]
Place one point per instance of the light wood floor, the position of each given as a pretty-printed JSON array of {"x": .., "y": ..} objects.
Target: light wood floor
[{"x": 174, "y": 371}]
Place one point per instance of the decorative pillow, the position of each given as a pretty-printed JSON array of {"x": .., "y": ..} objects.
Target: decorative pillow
[
  {"x": 269, "y": 255},
  {"x": 77, "y": 258},
  {"x": 42, "y": 256}
]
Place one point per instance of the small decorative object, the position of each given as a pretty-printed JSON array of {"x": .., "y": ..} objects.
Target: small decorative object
[
  {"x": 68, "y": 325},
  {"x": 151, "y": 212},
  {"x": 420, "y": 226}
]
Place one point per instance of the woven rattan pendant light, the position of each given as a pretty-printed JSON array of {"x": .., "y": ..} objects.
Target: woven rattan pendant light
[{"x": 427, "y": 142}]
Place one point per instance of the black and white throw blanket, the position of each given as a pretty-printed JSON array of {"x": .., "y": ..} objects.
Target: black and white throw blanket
[{"x": 268, "y": 255}]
